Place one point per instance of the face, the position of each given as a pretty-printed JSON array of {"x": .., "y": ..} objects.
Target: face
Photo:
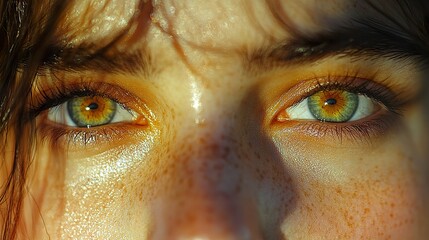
[{"x": 229, "y": 120}]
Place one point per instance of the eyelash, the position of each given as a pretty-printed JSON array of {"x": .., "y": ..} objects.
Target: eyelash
[
  {"x": 59, "y": 94},
  {"x": 361, "y": 129},
  {"x": 364, "y": 129},
  {"x": 382, "y": 94}
]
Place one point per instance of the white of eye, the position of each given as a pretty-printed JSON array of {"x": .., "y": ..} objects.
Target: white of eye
[{"x": 301, "y": 111}]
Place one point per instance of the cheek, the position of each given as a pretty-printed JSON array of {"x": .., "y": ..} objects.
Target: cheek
[
  {"x": 102, "y": 211},
  {"x": 82, "y": 197},
  {"x": 360, "y": 193},
  {"x": 368, "y": 205}
]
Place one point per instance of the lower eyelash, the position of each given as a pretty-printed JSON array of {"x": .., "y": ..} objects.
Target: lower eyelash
[
  {"x": 362, "y": 131},
  {"x": 59, "y": 136}
]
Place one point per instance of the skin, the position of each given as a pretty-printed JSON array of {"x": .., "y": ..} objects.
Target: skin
[{"x": 209, "y": 161}]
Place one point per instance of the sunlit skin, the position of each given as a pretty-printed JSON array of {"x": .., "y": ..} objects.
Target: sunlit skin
[{"x": 213, "y": 154}]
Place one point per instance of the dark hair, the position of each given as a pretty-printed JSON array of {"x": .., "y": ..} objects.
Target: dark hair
[{"x": 24, "y": 31}]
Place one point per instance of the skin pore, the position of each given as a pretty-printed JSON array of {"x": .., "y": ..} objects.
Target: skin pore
[{"x": 210, "y": 150}]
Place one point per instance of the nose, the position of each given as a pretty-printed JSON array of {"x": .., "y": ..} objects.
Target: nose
[{"x": 208, "y": 194}]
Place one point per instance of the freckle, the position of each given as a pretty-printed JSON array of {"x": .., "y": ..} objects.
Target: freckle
[
  {"x": 306, "y": 194},
  {"x": 338, "y": 190},
  {"x": 366, "y": 211}
]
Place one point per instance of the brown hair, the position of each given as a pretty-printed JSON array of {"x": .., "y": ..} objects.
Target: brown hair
[{"x": 24, "y": 32}]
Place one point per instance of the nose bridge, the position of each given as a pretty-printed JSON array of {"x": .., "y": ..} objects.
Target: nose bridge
[
  {"x": 206, "y": 197},
  {"x": 211, "y": 156},
  {"x": 210, "y": 161}
]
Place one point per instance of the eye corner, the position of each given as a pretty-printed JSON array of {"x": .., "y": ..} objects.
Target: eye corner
[{"x": 281, "y": 117}]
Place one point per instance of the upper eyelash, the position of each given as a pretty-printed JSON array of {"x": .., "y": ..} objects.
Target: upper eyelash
[
  {"x": 59, "y": 94},
  {"x": 369, "y": 88}
]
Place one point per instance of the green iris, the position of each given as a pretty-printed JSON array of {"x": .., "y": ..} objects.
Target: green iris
[
  {"x": 333, "y": 106},
  {"x": 91, "y": 111}
]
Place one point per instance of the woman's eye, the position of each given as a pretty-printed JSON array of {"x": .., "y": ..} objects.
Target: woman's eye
[
  {"x": 90, "y": 111},
  {"x": 334, "y": 106}
]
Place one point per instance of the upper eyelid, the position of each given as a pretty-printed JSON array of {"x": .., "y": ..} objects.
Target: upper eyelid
[{"x": 55, "y": 95}]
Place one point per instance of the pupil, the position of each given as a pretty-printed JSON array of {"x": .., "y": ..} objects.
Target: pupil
[
  {"x": 92, "y": 106},
  {"x": 330, "y": 101}
]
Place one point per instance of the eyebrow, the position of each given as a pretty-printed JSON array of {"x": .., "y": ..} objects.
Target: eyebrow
[
  {"x": 81, "y": 58},
  {"x": 365, "y": 38}
]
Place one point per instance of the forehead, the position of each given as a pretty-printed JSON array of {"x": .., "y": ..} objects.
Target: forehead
[{"x": 221, "y": 23}]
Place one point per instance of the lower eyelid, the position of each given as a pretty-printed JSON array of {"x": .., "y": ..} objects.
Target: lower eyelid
[
  {"x": 94, "y": 140},
  {"x": 366, "y": 130}
]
